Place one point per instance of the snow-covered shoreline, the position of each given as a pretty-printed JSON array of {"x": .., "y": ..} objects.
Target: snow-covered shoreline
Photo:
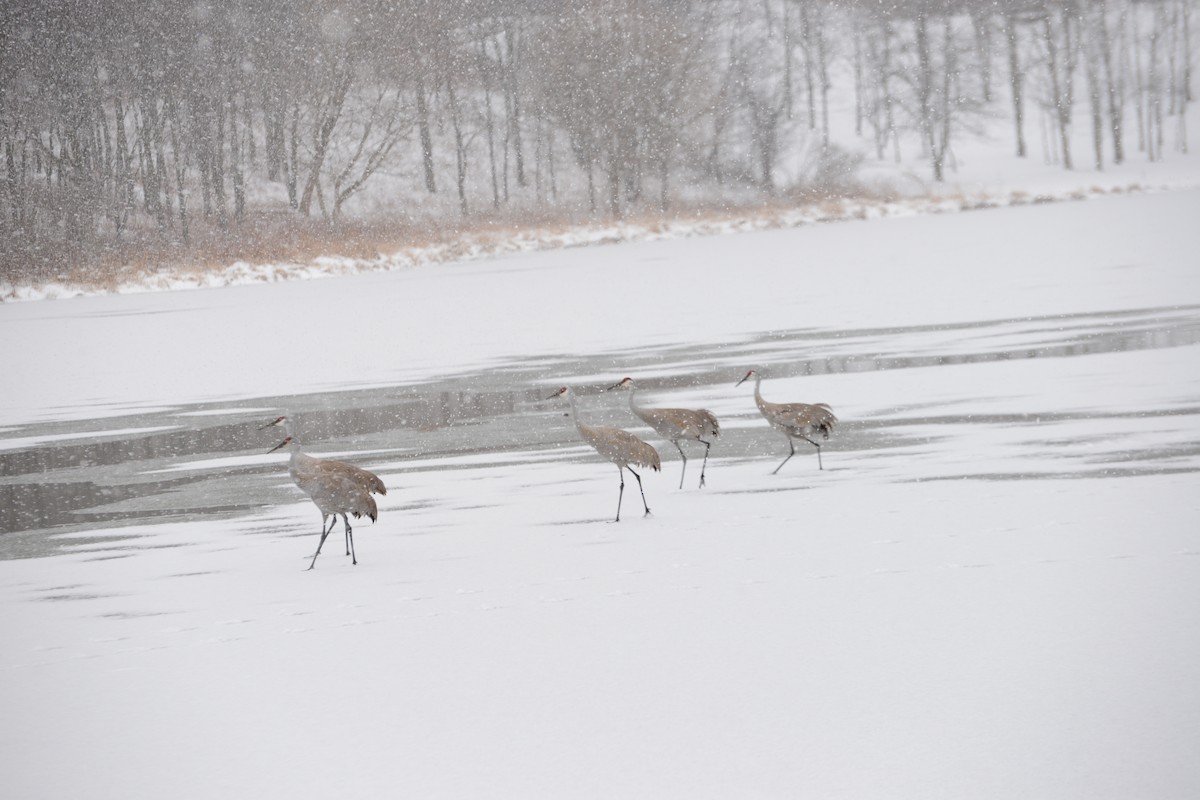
[{"x": 472, "y": 247}]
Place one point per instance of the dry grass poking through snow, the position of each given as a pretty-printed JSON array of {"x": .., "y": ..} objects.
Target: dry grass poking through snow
[{"x": 280, "y": 246}]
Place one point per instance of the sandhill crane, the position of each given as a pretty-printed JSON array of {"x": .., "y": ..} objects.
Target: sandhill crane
[
  {"x": 335, "y": 486},
  {"x": 675, "y": 425},
  {"x": 620, "y": 447},
  {"x": 793, "y": 420}
]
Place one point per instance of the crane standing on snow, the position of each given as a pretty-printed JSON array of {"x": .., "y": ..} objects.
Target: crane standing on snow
[
  {"x": 620, "y": 447},
  {"x": 675, "y": 425},
  {"x": 335, "y": 486},
  {"x": 793, "y": 420}
]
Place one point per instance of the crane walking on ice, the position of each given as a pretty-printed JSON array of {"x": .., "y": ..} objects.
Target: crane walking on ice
[
  {"x": 335, "y": 486},
  {"x": 793, "y": 420},
  {"x": 675, "y": 425},
  {"x": 620, "y": 447}
]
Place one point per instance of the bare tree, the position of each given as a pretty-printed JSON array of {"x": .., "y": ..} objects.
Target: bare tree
[
  {"x": 1016, "y": 77},
  {"x": 1060, "y": 67}
]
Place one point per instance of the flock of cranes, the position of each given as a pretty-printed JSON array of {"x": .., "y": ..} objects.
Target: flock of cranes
[{"x": 341, "y": 489}]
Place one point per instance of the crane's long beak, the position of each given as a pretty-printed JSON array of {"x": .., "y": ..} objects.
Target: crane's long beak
[
  {"x": 739, "y": 383},
  {"x": 556, "y": 394},
  {"x": 270, "y": 424},
  {"x": 281, "y": 444}
]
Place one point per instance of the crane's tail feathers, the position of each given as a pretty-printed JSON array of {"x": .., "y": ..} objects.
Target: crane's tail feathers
[
  {"x": 366, "y": 508},
  {"x": 826, "y": 422},
  {"x": 710, "y": 426},
  {"x": 647, "y": 456}
]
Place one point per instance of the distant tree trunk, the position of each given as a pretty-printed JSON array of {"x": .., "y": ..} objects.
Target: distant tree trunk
[
  {"x": 664, "y": 179},
  {"x": 859, "y": 101},
  {"x": 591, "y": 182},
  {"x": 874, "y": 60},
  {"x": 1070, "y": 53},
  {"x": 823, "y": 75},
  {"x": 491, "y": 140},
  {"x": 507, "y": 142},
  {"x": 1015, "y": 78},
  {"x": 1095, "y": 102},
  {"x": 941, "y": 143},
  {"x": 1186, "y": 10},
  {"x": 180, "y": 168},
  {"x": 788, "y": 100},
  {"x": 1115, "y": 91},
  {"x": 292, "y": 161},
  {"x": 1135, "y": 49},
  {"x": 1185, "y": 81},
  {"x": 614, "y": 187},
  {"x": 981, "y": 20},
  {"x": 1153, "y": 99},
  {"x": 513, "y": 105},
  {"x": 272, "y": 133},
  {"x": 1172, "y": 46},
  {"x": 235, "y": 157},
  {"x": 807, "y": 46},
  {"x": 160, "y": 156},
  {"x": 150, "y": 146},
  {"x": 550, "y": 165},
  {"x": 886, "y": 77},
  {"x": 539, "y": 156},
  {"x": 1059, "y": 100},
  {"x": 460, "y": 147},
  {"x": 217, "y": 165},
  {"x": 124, "y": 173},
  {"x": 426, "y": 138},
  {"x": 924, "y": 83},
  {"x": 15, "y": 195}
]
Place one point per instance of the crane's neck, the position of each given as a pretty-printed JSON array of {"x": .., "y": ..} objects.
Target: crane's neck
[
  {"x": 634, "y": 405},
  {"x": 574, "y": 409},
  {"x": 758, "y": 398}
]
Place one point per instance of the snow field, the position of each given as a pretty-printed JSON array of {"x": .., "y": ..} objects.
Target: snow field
[{"x": 991, "y": 591}]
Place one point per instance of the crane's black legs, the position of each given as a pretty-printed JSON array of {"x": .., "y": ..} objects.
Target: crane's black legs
[
  {"x": 791, "y": 452},
  {"x": 684, "y": 457},
  {"x": 349, "y": 539},
  {"x": 705, "y": 464},
  {"x": 324, "y": 533},
  {"x": 814, "y": 444},
  {"x": 639, "y": 480},
  {"x": 621, "y": 494}
]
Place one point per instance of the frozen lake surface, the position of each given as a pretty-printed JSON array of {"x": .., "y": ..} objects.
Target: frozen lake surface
[
  {"x": 194, "y": 461},
  {"x": 992, "y": 590}
]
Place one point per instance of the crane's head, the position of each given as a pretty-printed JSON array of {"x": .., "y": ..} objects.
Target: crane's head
[
  {"x": 748, "y": 376},
  {"x": 624, "y": 383},
  {"x": 562, "y": 392},
  {"x": 286, "y": 441},
  {"x": 274, "y": 422}
]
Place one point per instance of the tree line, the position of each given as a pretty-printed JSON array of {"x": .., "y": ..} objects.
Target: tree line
[{"x": 162, "y": 122}]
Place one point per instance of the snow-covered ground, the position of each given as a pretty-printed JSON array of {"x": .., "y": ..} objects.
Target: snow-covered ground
[{"x": 992, "y": 590}]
